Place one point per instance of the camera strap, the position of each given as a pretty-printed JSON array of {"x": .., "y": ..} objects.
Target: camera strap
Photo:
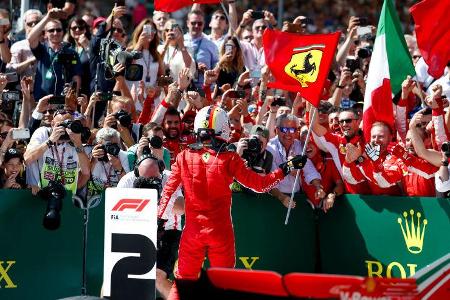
[
  {"x": 60, "y": 162},
  {"x": 107, "y": 174}
]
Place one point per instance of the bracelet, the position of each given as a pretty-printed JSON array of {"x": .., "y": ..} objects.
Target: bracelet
[
  {"x": 339, "y": 86},
  {"x": 444, "y": 163}
]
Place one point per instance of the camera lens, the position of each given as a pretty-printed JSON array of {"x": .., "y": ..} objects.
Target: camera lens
[
  {"x": 75, "y": 126},
  {"x": 112, "y": 149},
  {"x": 156, "y": 142}
]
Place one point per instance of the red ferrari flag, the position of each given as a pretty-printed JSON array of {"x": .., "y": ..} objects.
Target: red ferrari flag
[
  {"x": 300, "y": 63},
  {"x": 174, "y": 5},
  {"x": 432, "y": 25}
]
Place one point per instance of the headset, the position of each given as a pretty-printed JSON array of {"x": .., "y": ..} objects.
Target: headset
[{"x": 161, "y": 165}]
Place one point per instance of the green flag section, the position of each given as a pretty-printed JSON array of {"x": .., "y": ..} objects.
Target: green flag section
[
  {"x": 361, "y": 235},
  {"x": 389, "y": 66}
]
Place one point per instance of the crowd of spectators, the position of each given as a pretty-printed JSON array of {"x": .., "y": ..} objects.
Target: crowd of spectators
[{"x": 71, "y": 111}]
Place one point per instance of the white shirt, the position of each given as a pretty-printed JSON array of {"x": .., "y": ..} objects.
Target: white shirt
[
  {"x": 173, "y": 220},
  {"x": 280, "y": 156},
  {"x": 254, "y": 58},
  {"x": 218, "y": 42},
  {"x": 442, "y": 186}
]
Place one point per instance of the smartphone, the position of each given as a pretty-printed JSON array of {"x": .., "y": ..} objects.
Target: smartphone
[
  {"x": 255, "y": 73},
  {"x": 57, "y": 100},
  {"x": 20, "y": 134},
  {"x": 256, "y": 14},
  {"x": 236, "y": 94},
  {"x": 148, "y": 29},
  {"x": 174, "y": 26},
  {"x": 228, "y": 49},
  {"x": 10, "y": 96},
  {"x": 363, "y": 30},
  {"x": 120, "y": 3},
  {"x": 352, "y": 63},
  {"x": 105, "y": 96},
  {"x": 12, "y": 77},
  {"x": 280, "y": 101}
]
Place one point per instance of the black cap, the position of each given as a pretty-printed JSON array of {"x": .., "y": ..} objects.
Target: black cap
[{"x": 12, "y": 153}]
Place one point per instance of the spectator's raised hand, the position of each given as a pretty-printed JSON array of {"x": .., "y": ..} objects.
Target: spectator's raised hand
[
  {"x": 241, "y": 146},
  {"x": 74, "y": 137},
  {"x": 346, "y": 76},
  {"x": 143, "y": 142},
  {"x": 57, "y": 132},
  {"x": 119, "y": 11},
  {"x": 358, "y": 78},
  {"x": 265, "y": 74},
  {"x": 353, "y": 23},
  {"x": 25, "y": 84},
  {"x": 211, "y": 77},
  {"x": 246, "y": 18},
  {"x": 407, "y": 87},
  {"x": 57, "y": 13},
  {"x": 43, "y": 104},
  {"x": 184, "y": 79},
  {"x": 244, "y": 79},
  {"x": 119, "y": 69},
  {"x": 352, "y": 152},
  {"x": 269, "y": 17},
  {"x": 194, "y": 99},
  {"x": 11, "y": 183}
]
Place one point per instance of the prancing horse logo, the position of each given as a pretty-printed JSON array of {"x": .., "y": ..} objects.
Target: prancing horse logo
[{"x": 305, "y": 64}]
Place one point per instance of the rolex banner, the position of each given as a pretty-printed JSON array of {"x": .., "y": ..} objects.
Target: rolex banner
[
  {"x": 300, "y": 63},
  {"x": 174, "y": 5},
  {"x": 379, "y": 236}
]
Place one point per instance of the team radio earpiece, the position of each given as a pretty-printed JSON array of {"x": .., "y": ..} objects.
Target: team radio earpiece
[{"x": 161, "y": 165}]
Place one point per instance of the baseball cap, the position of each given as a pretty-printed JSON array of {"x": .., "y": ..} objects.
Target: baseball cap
[
  {"x": 98, "y": 21},
  {"x": 259, "y": 129},
  {"x": 12, "y": 153}
]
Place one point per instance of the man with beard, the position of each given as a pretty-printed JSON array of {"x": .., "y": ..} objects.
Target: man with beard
[
  {"x": 172, "y": 134},
  {"x": 337, "y": 144},
  {"x": 387, "y": 166}
]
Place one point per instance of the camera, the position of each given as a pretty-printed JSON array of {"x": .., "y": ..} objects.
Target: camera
[
  {"x": 109, "y": 148},
  {"x": 74, "y": 126},
  {"x": 54, "y": 192},
  {"x": 10, "y": 96},
  {"x": 364, "y": 52},
  {"x": 66, "y": 59},
  {"x": 123, "y": 117},
  {"x": 112, "y": 53},
  {"x": 446, "y": 148},
  {"x": 352, "y": 63},
  {"x": 254, "y": 147},
  {"x": 155, "y": 141},
  {"x": 257, "y": 15}
]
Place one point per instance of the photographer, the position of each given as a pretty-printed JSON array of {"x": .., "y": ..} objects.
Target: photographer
[
  {"x": 253, "y": 150},
  {"x": 58, "y": 153},
  {"x": 108, "y": 162},
  {"x": 57, "y": 62},
  {"x": 151, "y": 142},
  {"x": 119, "y": 117}
]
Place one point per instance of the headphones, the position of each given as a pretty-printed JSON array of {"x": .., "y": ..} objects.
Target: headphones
[{"x": 161, "y": 165}]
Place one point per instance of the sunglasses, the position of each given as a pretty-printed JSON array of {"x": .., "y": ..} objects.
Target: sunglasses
[
  {"x": 118, "y": 30},
  {"x": 260, "y": 27},
  {"x": 221, "y": 17},
  {"x": 197, "y": 23},
  {"x": 31, "y": 24},
  {"x": 61, "y": 112},
  {"x": 346, "y": 121},
  {"x": 288, "y": 129},
  {"x": 77, "y": 28},
  {"x": 55, "y": 29}
]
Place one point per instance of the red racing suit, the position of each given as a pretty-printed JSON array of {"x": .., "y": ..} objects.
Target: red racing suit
[{"x": 206, "y": 177}]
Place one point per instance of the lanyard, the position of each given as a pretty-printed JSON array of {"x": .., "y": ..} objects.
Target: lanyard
[
  {"x": 197, "y": 49},
  {"x": 107, "y": 174},
  {"x": 60, "y": 162},
  {"x": 173, "y": 55}
]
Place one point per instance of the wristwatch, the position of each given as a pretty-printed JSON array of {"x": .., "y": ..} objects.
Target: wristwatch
[
  {"x": 444, "y": 163},
  {"x": 360, "y": 159},
  {"x": 339, "y": 86},
  {"x": 79, "y": 149},
  {"x": 49, "y": 143}
]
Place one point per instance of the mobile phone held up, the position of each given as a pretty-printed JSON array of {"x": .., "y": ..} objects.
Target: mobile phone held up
[
  {"x": 20, "y": 134},
  {"x": 57, "y": 100},
  {"x": 236, "y": 94},
  {"x": 256, "y": 15}
]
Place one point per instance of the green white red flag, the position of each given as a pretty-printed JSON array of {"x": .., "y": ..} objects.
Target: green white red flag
[{"x": 389, "y": 66}]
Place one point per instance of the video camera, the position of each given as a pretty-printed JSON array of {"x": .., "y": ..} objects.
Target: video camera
[
  {"x": 112, "y": 53},
  {"x": 54, "y": 192}
]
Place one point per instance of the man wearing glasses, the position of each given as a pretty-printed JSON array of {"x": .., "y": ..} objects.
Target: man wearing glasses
[
  {"x": 204, "y": 51},
  {"x": 337, "y": 145},
  {"x": 219, "y": 24},
  {"x": 57, "y": 154},
  {"x": 284, "y": 146},
  {"x": 57, "y": 63},
  {"x": 22, "y": 59},
  {"x": 253, "y": 51}
]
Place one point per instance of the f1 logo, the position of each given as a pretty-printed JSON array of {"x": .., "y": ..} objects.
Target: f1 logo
[
  {"x": 135, "y": 204},
  {"x": 4, "y": 274}
]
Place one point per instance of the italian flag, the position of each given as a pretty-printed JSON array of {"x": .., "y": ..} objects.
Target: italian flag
[{"x": 389, "y": 66}]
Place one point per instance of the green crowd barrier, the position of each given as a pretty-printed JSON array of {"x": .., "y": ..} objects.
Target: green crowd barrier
[{"x": 360, "y": 235}]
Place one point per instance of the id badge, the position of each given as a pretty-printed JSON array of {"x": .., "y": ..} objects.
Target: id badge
[
  {"x": 147, "y": 78},
  {"x": 48, "y": 75}
]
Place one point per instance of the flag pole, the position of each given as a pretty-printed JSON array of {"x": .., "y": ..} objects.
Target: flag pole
[{"x": 286, "y": 221}]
